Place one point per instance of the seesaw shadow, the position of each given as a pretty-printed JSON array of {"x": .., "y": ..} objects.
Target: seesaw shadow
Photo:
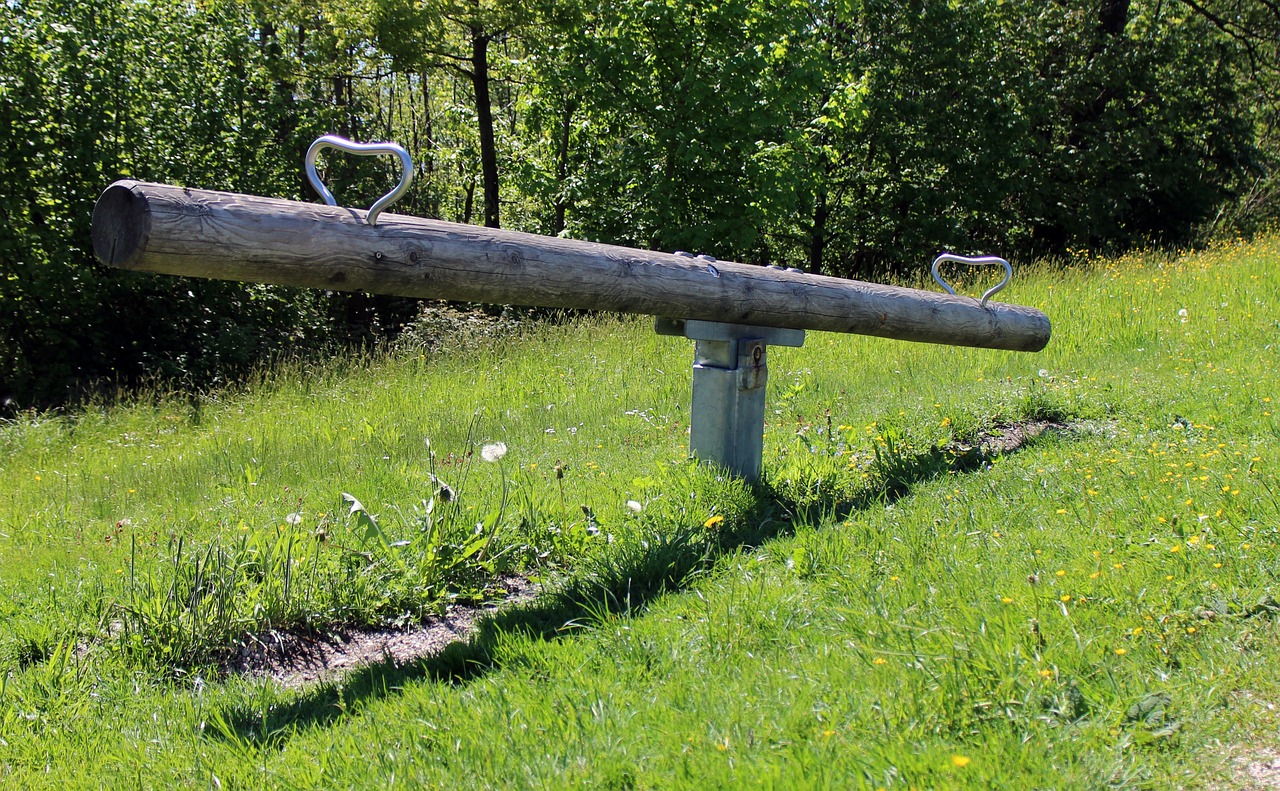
[{"x": 621, "y": 584}]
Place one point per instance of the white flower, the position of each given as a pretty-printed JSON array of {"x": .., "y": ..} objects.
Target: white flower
[
  {"x": 294, "y": 518},
  {"x": 634, "y": 506},
  {"x": 491, "y": 453}
]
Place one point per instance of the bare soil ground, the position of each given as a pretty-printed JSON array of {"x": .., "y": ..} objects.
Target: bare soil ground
[
  {"x": 1009, "y": 437},
  {"x": 1259, "y": 770},
  {"x": 1253, "y": 765},
  {"x": 296, "y": 660}
]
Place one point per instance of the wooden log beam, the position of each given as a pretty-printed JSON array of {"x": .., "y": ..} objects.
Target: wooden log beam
[{"x": 227, "y": 236}]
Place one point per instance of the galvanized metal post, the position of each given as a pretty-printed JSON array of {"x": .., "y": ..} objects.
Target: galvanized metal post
[{"x": 730, "y": 371}]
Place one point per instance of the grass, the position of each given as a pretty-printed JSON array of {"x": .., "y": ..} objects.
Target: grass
[{"x": 1095, "y": 609}]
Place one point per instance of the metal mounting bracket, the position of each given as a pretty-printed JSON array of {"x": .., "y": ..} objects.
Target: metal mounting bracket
[{"x": 730, "y": 370}]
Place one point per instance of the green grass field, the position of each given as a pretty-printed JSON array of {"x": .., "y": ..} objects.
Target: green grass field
[{"x": 1095, "y": 608}]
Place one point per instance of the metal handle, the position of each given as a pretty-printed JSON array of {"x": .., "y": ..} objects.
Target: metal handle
[
  {"x": 364, "y": 150},
  {"x": 976, "y": 261}
]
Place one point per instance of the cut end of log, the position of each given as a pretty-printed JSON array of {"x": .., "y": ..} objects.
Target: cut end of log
[
  {"x": 1041, "y": 338},
  {"x": 1033, "y": 335},
  {"x": 121, "y": 225}
]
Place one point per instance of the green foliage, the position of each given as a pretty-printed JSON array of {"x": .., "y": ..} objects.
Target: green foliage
[
  {"x": 855, "y": 138},
  {"x": 840, "y": 137},
  {"x": 93, "y": 92}
]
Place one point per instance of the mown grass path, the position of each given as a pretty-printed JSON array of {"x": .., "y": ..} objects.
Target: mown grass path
[{"x": 1095, "y": 608}]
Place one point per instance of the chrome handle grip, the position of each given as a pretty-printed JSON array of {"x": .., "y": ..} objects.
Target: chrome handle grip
[
  {"x": 975, "y": 261},
  {"x": 364, "y": 150}
]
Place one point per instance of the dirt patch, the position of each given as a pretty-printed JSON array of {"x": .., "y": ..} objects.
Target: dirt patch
[
  {"x": 296, "y": 660},
  {"x": 1259, "y": 770},
  {"x": 1251, "y": 762},
  {"x": 1009, "y": 437}
]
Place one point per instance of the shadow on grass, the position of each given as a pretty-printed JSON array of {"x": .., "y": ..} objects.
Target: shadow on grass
[{"x": 622, "y": 580}]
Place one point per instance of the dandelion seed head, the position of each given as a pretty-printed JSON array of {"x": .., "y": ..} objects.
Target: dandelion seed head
[
  {"x": 492, "y": 453},
  {"x": 634, "y": 506},
  {"x": 294, "y": 518}
]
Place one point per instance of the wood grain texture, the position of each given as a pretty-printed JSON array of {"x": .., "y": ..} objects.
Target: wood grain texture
[{"x": 228, "y": 236}]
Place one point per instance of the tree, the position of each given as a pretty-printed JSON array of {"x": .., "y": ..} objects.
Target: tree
[
  {"x": 456, "y": 35},
  {"x": 1253, "y": 28}
]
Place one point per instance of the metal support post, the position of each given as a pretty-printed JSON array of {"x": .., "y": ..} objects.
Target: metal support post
[{"x": 730, "y": 370}]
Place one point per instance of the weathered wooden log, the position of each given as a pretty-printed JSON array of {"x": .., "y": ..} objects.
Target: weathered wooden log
[{"x": 227, "y": 236}]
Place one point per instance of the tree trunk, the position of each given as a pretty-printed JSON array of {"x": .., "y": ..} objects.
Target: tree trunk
[
  {"x": 285, "y": 124},
  {"x": 428, "y": 130},
  {"x": 818, "y": 234},
  {"x": 484, "y": 117},
  {"x": 562, "y": 165},
  {"x": 429, "y": 149}
]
